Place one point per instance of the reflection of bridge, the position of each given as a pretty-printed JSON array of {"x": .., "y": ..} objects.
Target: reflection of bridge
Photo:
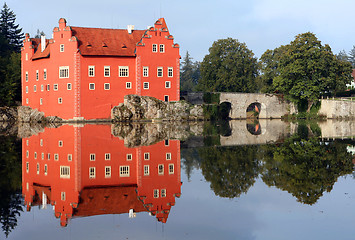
[{"x": 270, "y": 131}]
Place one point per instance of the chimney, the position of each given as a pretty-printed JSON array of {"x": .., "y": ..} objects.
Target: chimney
[
  {"x": 130, "y": 28},
  {"x": 43, "y": 42}
]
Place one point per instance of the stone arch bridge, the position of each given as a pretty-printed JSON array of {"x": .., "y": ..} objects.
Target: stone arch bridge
[{"x": 267, "y": 105}]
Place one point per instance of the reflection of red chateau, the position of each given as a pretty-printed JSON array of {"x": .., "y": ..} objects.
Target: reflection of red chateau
[
  {"x": 81, "y": 73},
  {"x": 84, "y": 171}
]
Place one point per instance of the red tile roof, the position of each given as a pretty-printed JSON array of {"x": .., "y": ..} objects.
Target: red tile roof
[
  {"x": 37, "y": 45},
  {"x": 107, "y": 42}
]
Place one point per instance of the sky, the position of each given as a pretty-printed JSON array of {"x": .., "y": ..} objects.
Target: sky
[{"x": 196, "y": 24}]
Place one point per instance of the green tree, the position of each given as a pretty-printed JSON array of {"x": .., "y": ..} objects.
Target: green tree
[
  {"x": 229, "y": 67},
  {"x": 10, "y": 183},
  {"x": 230, "y": 170},
  {"x": 304, "y": 70},
  {"x": 351, "y": 57},
  {"x": 343, "y": 56},
  {"x": 305, "y": 167},
  {"x": 11, "y": 31},
  {"x": 189, "y": 73}
]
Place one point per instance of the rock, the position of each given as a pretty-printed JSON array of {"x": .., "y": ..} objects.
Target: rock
[{"x": 143, "y": 108}]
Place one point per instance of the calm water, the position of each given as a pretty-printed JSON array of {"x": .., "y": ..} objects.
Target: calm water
[{"x": 270, "y": 180}]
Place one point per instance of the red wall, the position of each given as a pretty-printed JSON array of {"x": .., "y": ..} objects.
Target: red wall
[
  {"x": 98, "y": 140},
  {"x": 80, "y": 102}
]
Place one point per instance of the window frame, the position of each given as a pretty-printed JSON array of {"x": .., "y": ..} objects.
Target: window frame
[
  {"x": 64, "y": 172},
  {"x": 161, "y": 48},
  {"x": 145, "y": 85},
  {"x": 128, "y": 85},
  {"x": 170, "y": 72},
  {"x": 124, "y": 171},
  {"x": 63, "y": 72},
  {"x": 145, "y": 71},
  {"x": 109, "y": 71},
  {"x": 160, "y": 72},
  {"x": 91, "y": 71},
  {"x": 123, "y": 71},
  {"x": 91, "y": 85},
  {"x": 154, "y": 47},
  {"x": 107, "y": 84}
]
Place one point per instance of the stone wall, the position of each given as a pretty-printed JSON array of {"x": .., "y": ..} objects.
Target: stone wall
[{"x": 337, "y": 109}]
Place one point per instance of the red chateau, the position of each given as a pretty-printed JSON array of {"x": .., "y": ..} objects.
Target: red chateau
[
  {"x": 82, "y": 73},
  {"x": 86, "y": 171}
]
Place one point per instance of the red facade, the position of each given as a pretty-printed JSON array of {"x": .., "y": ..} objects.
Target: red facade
[
  {"x": 82, "y": 73},
  {"x": 85, "y": 171}
]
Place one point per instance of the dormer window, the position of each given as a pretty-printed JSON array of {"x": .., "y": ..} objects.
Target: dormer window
[
  {"x": 104, "y": 44},
  {"x": 88, "y": 45},
  {"x": 124, "y": 45}
]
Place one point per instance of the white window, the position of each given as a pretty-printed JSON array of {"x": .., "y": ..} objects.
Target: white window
[
  {"x": 161, "y": 48},
  {"x": 166, "y": 98},
  {"x": 35, "y": 155},
  {"x": 146, "y": 85},
  {"x": 107, "y": 86},
  {"x": 123, "y": 71},
  {"x": 92, "y": 172},
  {"x": 37, "y": 75},
  {"x": 56, "y": 157},
  {"x": 35, "y": 88},
  {"x": 146, "y": 156},
  {"x": 27, "y": 167},
  {"x": 160, "y": 169},
  {"x": 40, "y": 101},
  {"x": 170, "y": 72},
  {"x": 92, "y": 86},
  {"x": 48, "y": 87},
  {"x": 163, "y": 193},
  {"x": 27, "y": 154},
  {"x": 92, "y": 157},
  {"x": 107, "y": 171},
  {"x": 49, "y": 156},
  {"x": 171, "y": 168},
  {"x": 166, "y": 142},
  {"x": 128, "y": 85},
  {"x": 62, "y": 196},
  {"x": 60, "y": 143},
  {"x": 26, "y": 56},
  {"x": 60, "y": 100},
  {"x": 167, "y": 84},
  {"x": 159, "y": 71},
  {"x": 154, "y": 48},
  {"x": 45, "y": 169},
  {"x": 61, "y": 48},
  {"x": 45, "y": 74},
  {"x": 124, "y": 171},
  {"x": 37, "y": 168},
  {"x": 145, "y": 71},
  {"x": 42, "y": 88},
  {"x": 55, "y": 87},
  {"x": 26, "y": 76},
  {"x": 64, "y": 172},
  {"x": 146, "y": 170},
  {"x": 69, "y": 86},
  {"x": 129, "y": 157},
  {"x": 41, "y": 142},
  {"x": 107, "y": 156},
  {"x": 42, "y": 156},
  {"x": 70, "y": 157},
  {"x": 107, "y": 71},
  {"x": 64, "y": 72},
  {"x": 168, "y": 156},
  {"x": 27, "y": 142},
  {"x": 156, "y": 193},
  {"x": 26, "y": 89},
  {"x": 91, "y": 71},
  {"x": 26, "y": 100}
]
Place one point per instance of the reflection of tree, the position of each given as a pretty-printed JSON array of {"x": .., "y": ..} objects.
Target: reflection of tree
[
  {"x": 190, "y": 160},
  {"x": 305, "y": 167},
  {"x": 10, "y": 183},
  {"x": 231, "y": 170}
]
